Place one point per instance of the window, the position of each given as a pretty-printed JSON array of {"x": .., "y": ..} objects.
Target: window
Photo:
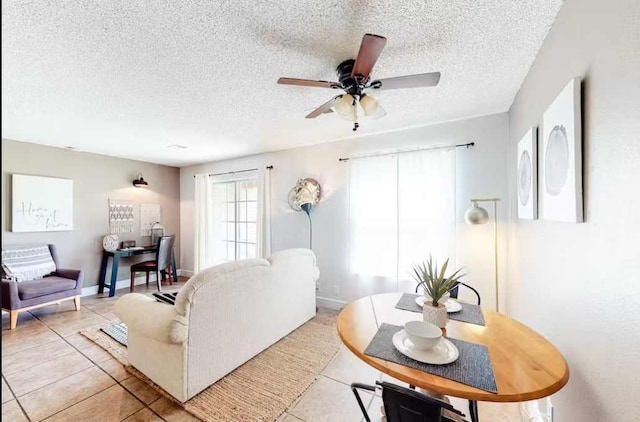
[
  {"x": 402, "y": 208},
  {"x": 235, "y": 214}
]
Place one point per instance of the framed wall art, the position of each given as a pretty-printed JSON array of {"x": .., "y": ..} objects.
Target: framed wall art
[
  {"x": 561, "y": 157},
  {"x": 41, "y": 204},
  {"x": 527, "y": 182}
]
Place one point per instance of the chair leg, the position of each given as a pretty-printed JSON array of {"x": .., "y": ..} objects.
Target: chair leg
[
  {"x": 133, "y": 281},
  {"x": 170, "y": 277},
  {"x": 473, "y": 411},
  {"x": 159, "y": 281},
  {"x": 147, "y": 274},
  {"x": 13, "y": 319},
  {"x": 76, "y": 302},
  {"x": 354, "y": 388}
]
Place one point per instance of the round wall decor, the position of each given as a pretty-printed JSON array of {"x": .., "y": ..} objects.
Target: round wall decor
[
  {"x": 306, "y": 191},
  {"x": 110, "y": 242},
  {"x": 556, "y": 163}
]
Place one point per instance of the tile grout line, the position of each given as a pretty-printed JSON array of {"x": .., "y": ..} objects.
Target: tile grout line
[
  {"x": 91, "y": 361},
  {"x": 16, "y": 399},
  {"x": 148, "y": 406},
  {"x": 70, "y": 375},
  {"x": 116, "y": 382},
  {"x": 29, "y": 348},
  {"x": 109, "y": 375}
]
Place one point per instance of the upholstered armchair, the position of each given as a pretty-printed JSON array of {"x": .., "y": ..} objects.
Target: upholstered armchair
[{"x": 60, "y": 285}]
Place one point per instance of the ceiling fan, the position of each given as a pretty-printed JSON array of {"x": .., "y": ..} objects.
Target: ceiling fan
[{"x": 354, "y": 78}]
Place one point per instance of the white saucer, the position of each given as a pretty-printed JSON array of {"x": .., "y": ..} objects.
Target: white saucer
[
  {"x": 442, "y": 353},
  {"x": 451, "y": 305}
]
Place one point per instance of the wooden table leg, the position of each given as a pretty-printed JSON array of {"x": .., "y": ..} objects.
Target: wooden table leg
[
  {"x": 103, "y": 272},
  {"x": 114, "y": 275}
]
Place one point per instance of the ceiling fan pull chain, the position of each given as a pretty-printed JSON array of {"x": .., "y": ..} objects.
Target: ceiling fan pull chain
[{"x": 355, "y": 126}]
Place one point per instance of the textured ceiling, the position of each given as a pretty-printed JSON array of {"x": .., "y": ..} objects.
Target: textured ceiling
[{"x": 130, "y": 77}]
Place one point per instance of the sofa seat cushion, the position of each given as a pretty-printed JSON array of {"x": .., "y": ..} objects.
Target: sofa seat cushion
[{"x": 44, "y": 286}]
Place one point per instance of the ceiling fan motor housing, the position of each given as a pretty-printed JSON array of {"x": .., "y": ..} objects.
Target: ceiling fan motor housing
[{"x": 349, "y": 84}]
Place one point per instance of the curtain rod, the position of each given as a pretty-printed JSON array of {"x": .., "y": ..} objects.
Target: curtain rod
[
  {"x": 468, "y": 145},
  {"x": 237, "y": 171}
]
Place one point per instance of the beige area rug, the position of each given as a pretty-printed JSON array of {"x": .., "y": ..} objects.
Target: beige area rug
[{"x": 265, "y": 386}]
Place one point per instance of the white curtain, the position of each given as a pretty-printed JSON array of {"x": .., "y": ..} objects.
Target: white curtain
[
  {"x": 203, "y": 230},
  {"x": 374, "y": 216},
  {"x": 263, "y": 243},
  {"x": 211, "y": 201},
  {"x": 402, "y": 208}
]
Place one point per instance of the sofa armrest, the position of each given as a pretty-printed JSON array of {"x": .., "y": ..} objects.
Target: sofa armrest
[
  {"x": 151, "y": 318},
  {"x": 77, "y": 275},
  {"x": 10, "y": 298}
]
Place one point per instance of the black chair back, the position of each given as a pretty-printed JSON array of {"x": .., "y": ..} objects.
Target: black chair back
[
  {"x": 454, "y": 291},
  {"x": 165, "y": 251},
  {"x": 405, "y": 405}
]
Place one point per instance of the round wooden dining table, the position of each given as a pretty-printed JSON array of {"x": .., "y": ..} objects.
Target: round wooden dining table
[{"x": 526, "y": 366}]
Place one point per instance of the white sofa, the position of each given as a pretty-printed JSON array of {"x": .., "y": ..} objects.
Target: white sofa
[{"x": 223, "y": 316}]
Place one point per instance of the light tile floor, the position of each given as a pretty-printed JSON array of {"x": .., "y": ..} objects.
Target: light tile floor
[{"x": 52, "y": 373}]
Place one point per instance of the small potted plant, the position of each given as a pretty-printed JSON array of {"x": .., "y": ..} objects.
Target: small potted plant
[{"x": 436, "y": 286}]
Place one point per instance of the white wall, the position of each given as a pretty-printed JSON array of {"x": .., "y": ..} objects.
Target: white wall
[
  {"x": 480, "y": 173},
  {"x": 578, "y": 284}
]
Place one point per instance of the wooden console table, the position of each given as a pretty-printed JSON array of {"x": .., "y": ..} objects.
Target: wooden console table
[{"x": 124, "y": 253}]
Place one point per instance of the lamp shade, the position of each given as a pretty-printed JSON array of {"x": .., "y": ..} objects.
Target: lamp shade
[
  {"x": 140, "y": 182},
  {"x": 476, "y": 214},
  {"x": 369, "y": 105},
  {"x": 344, "y": 105}
]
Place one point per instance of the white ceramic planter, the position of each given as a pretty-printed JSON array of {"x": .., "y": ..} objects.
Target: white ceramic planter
[{"x": 435, "y": 315}]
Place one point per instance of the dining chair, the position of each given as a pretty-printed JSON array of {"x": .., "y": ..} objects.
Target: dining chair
[
  {"x": 473, "y": 405},
  {"x": 162, "y": 263},
  {"x": 405, "y": 405},
  {"x": 454, "y": 292}
]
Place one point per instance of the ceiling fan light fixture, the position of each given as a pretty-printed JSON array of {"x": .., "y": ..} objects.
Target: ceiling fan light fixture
[
  {"x": 369, "y": 105},
  {"x": 354, "y": 78},
  {"x": 344, "y": 105}
]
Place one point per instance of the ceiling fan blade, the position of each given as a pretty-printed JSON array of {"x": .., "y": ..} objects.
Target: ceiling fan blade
[
  {"x": 324, "y": 108},
  {"x": 409, "y": 81},
  {"x": 308, "y": 82},
  {"x": 370, "y": 50}
]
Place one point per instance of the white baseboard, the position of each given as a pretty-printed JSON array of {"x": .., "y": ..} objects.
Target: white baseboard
[
  {"x": 185, "y": 273},
  {"x": 325, "y": 302},
  {"x": 121, "y": 284}
]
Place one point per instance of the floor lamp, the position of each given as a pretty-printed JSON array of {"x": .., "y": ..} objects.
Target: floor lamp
[{"x": 478, "y": 215}]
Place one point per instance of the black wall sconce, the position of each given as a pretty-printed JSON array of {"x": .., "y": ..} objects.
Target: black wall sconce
[{"x": 140, "y": 182}]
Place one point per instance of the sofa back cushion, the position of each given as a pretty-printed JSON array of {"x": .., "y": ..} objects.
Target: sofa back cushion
[{"x": 27, "y": 262}]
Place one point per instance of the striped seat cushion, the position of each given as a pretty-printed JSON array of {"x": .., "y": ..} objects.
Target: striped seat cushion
[
  {"x": 27, "y": 262},
  {"x": 168, "y": 298}
]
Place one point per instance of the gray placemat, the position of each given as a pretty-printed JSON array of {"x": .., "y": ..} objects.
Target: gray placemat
[
  {"x": 118, "y": 332},
  {"x": 473, "y": 366},
  {"x": 469, "y": 313}
]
